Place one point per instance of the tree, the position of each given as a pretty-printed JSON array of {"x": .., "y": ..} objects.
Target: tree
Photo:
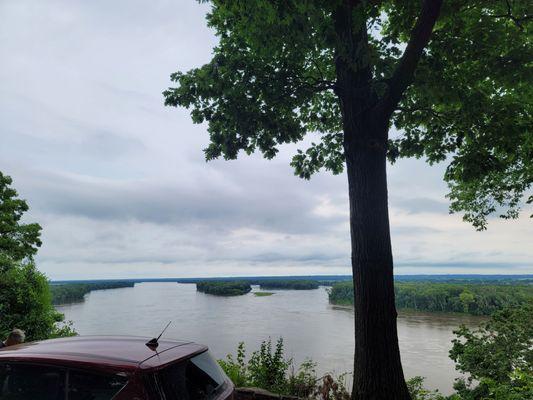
[
  {"x": 498, "y": 356},
  {"x": 466, "y": 298},
  {"x": 25, "y": 299},
  {"x": 26, "y": 303},
  {"x": 454, "y": 79},
  {"x": 17, "y": 240}
]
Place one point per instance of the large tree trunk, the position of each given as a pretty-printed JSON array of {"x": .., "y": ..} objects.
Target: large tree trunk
[{"x": 378, "y": 371}]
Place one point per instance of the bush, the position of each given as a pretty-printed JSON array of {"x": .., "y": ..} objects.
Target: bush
[
  {"x": 418, "y": 392},
  {"x": 268, "y": 369},
  {"x": 25, "y": 302},
  {"x": 498, "y": 355}
]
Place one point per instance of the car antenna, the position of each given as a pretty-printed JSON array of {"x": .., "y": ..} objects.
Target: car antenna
[{"x": 153, "y": 343}]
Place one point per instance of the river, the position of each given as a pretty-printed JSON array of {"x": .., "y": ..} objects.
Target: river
[{"x": 309, "y": 325}]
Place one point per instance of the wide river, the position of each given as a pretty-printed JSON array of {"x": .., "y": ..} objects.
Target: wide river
[{"x": 309, "y": 325}]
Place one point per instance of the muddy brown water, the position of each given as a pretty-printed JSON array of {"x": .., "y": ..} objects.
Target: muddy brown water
[{"x": 309, "y": 325}]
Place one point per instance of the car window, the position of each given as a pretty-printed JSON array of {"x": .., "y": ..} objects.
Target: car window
[
  {"x": 30, "y": 382},
  {"x": 88, "y": 386},
  {"x": 198, "y": 378}
]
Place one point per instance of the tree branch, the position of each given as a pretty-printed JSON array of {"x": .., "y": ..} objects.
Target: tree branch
[
  {"x": 517, "y": 21},
  {"x": 403, "y": 75}
]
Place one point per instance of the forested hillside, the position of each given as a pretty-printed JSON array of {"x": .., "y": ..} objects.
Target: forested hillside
[
  {"x": 446, "y": 297},
  {"x": 70, "y": 293}
]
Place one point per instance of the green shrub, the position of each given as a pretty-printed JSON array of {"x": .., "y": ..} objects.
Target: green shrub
[
  {"x": 268, "y": 369},
  {"x": 498, "y": 356},
  {"x": 236, "y": 369},
  {"x": 25, "y": 302},
  {"x": 418, "y": 392}
]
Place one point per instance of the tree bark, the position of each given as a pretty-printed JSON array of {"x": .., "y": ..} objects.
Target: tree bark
[{"x": 378, "y": 373}]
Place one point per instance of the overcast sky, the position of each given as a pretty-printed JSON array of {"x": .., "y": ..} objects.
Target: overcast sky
[{"x": 119, "y": 182}]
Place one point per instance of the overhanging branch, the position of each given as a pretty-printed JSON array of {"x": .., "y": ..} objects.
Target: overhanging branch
[{"x": 405, "y": 69}]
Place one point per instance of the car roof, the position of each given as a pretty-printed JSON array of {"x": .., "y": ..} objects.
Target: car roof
[{"x": 107, "y": 353}]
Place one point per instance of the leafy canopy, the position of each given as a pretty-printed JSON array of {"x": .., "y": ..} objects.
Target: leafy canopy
[
  {"x": 25, "y": 299},
  {"x": 272, "y": 80},
  {"x": 25, "y": 302},
  {"x": 498, "y": 355},
  {"x": 17, "y": 240}
]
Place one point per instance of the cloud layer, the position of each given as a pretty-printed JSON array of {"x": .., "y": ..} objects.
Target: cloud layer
[{"x": 119, "y": 183}]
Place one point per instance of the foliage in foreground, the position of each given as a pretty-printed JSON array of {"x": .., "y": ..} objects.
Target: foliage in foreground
[
  {"x": 25, "y": 299},
  {"x": 268, "y": 369},
  {"x": 25, "y": 302},
  {"x": 18, "y": 241},
  {"x": 446, "y": 297},
  {"x": 498, "y": 355},
  {"x": 224, "y": 288}
]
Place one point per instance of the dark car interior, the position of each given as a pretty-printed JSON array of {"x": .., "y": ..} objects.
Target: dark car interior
[{"x": 42, "y": 382}]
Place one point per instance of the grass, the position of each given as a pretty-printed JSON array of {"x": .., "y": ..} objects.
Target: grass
[{"x": 263, "y": 294}]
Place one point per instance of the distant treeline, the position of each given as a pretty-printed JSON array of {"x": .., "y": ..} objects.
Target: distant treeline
[
  {"x": 74, "y": 292},
  {"x": 223, "y": 288},
  {"x": 328, "y": 280},
  {"x": 468, "y": 279},
  {"x": 446, "y": 297},
  {"x": 290, "y": 284}
]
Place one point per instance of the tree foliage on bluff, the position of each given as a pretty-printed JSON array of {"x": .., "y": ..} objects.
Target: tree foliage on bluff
[
  {"x": 25, "y": 302},
  {"x": 17, "y": 240},
  {"x": 498, "y": 356},
  {"x": 25, "y": 299},
  {"x": 272, "y": 79}
]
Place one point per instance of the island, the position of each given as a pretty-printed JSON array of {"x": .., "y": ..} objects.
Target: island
[
  {"x": 263, "y": 294},
  {"x": 224, "y": 288}
]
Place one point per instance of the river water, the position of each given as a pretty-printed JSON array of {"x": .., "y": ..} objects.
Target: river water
[{"x": 309, "y": 325}]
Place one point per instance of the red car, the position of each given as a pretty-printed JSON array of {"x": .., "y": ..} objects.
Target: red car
[{"x": 111, "y": 367}]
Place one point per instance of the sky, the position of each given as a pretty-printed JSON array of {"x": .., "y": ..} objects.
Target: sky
[{"x": 120, "y": 185}]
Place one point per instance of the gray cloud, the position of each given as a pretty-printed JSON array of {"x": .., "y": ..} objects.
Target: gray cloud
[
  {"x": 119, "y": 182},
  {"x": 226, "y": 203},
  {"x": 417, "y": 205}
]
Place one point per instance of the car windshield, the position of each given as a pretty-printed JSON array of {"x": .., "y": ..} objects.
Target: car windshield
[
  {"x": 30, "y": 382},
  {"x": 198, "y": 378}
]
